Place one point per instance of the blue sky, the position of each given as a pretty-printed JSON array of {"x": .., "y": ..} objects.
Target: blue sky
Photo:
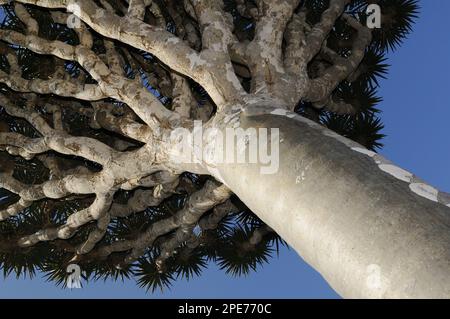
[{"x": 416, "y": 113}]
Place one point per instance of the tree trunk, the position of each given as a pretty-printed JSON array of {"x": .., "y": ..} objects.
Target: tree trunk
[{"x": 370, "y": 228}]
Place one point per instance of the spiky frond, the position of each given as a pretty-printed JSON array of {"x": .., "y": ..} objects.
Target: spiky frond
[{"x": 397, "y": 19}]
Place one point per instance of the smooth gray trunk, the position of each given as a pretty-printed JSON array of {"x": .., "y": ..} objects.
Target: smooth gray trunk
[{"x": 366, "y": 231}]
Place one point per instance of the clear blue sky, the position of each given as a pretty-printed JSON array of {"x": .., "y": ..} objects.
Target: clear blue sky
[{"x": 416, "y": 112}]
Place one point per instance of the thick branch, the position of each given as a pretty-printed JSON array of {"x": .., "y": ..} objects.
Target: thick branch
[
  {"x": 320, "y": 31},
  {"x": 264, "y": 53},
  {"x": 94, "y": 212},
  {"x": 156, "y": 40},
  {"x": 198, "y": 204},
  {"x": 114, "y": 85},
  {"x": 186, "y": 234},
  {"x": 61, "y": 87}
]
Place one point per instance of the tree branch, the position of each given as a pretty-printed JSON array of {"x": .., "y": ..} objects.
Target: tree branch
[
  {"x": 94, "y": 212},
  {"x": 112, "y": 84},
  {"x": 61, "y": 87},
  {"x": 320, "y": 88},
  {"x": 264, "y": 52},
  {"x": 200, "y": 202}
]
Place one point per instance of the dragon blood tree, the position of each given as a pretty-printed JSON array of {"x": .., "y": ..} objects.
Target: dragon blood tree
[{"x": 101, "y": 99}]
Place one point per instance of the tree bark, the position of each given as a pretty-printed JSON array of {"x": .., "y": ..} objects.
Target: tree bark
[{"x": 371, "y": 229}]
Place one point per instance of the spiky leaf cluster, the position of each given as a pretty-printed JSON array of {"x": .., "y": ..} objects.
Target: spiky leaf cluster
[{"x": 229, "y": 243}]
